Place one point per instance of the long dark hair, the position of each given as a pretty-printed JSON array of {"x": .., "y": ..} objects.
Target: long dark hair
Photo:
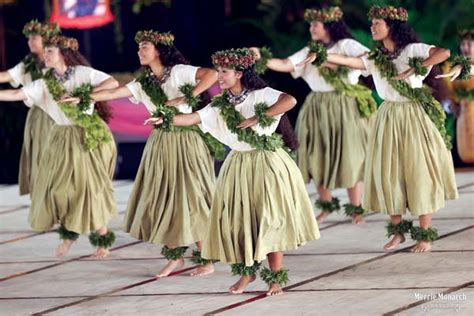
[
  {"x": 170, "y": 55},
  {"x": 251, "y": 81},
  {"x": 75, "y": 58},
  {"x": 338, "y": 30},
  {"x": 403, "y": 34}
]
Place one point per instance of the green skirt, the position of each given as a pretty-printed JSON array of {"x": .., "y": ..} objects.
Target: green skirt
[
  {"x": 37, "y": 127},
  {"x": 408, "y": 165},
  {"x": 333, "y": 140},
  {"x": 260, "y": 206},
  {"x": 74, "y": 185},
  {"x": 171, "y": 197}
]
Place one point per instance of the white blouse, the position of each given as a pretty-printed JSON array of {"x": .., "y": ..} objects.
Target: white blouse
[
  {"x": 19, "y": 75},
  {"x": 180, "y": 75},
  {"x": 37, "y": 92},
  {"x": 310, "y": 73},
  {"x": 213, "y": 123},
  {"x": 384, "y": 89}
]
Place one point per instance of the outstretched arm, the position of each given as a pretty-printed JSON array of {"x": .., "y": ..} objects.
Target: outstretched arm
[
  {"x": 348, "y": 61},
  {"x": 5, "y": 77},
  {"x": 178, "y": 120},
  {"x": 437, "y": 56},
  {"x": 280, "y": 65},
  {"x": 455, "y": 72},
  {"x": 276, "y": 64},
  {"x": 103, "y": 95},
  {"x": 336, "y": 59},
  {"x": 12, "y": 95},
  {"x": 107, "y": 84},
  {"x": 285, "y": 103},
  {"x": 205, "y": 77}
]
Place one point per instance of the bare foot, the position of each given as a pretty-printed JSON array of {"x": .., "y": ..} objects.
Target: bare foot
[
  {"x": 274, "y": 289},
  {"x": 203, "y": 270},
  {"x": 394, "y": 242},
  {"x": 421, "y": 246},
  {"x": 321, "y": 217},
  {"x": 239, "y": 286},
  {"x": 63, "y": 248},
  {"x": 170, "y": 267},
  {"x": 358, "y": 219},
  {"x": 101, "y": 252}
]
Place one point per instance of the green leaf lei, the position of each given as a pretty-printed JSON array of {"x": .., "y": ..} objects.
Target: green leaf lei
[
  {"x": 191, "y": 100},
  {"x": 424, "y": 234},
  {"x": 248, "y": 135},
  {"x": 159, "y": 98},
  {"x": 275, "y": 277},
  {"x": 433, "y": 108},
  {"x": 320, "y": 50},
  {"x": 243, "y": 270},
  {"x": 261, "y": 64},
  {"x": 263, "y": 119},
  {"x": 363, "y": 95},
  {"x": 465, "y": 63},
  {"x": 95, "y": 131},
  {"x": 463, "y": 94},
  {"x": 417, "y": 63},
  {"x": 32, "y": 67}
]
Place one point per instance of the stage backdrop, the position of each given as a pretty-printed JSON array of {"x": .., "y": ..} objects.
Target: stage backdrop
[{"x": 81, "y": 14}]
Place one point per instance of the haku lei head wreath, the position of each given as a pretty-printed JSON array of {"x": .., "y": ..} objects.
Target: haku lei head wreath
[
  {"x": 238, "y": 58},
  {"x": 154, "y": 37},
  {"x": 62, "y": 42},
  {"x": 389, "y": 12},
  {"x": 34, "y": 27},
  {"x": 331, "y": 14}
]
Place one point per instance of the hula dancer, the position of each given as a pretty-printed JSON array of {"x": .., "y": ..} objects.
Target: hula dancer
[
  {"x": 463, "y": 106},
  {"x": 408, "y": 164},
  {"x": 260, "y": 207},
  {"x": 171, "y": 198},
  {"x": 333, "y": 122},
  {"x": 38, "y": 123},
  {"x": 73, "y": 186}
]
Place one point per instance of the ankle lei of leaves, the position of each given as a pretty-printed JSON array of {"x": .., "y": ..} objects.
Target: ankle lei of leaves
[
  {"x": 102, "y": 241},
  {"x": 242, "y": 270},
  {"x": 320, "y": 50},
  {"x": 398, "y": 229},
  {"x": 261, "y": 64},
  {"x": 328, "y": 206},
  {"x": 351, "y": 209},
  {"x": 363, "y": 95},
  {"x": 260, "y": 113},
  {"x": 95, "y": 131},
  {"x": 274, "y": 277},
  {"x": 417, "y": 64},
  {"x": 32, "y": 67},
  {"x": 464, "y": 94},
  {"x": 424, "y": 234},
  {"x": 248, "y": 135},
  {"x": 433, "y": 109},
  {"x": 191, "y": 100},
  {"x": 465, "y": 63},
  {"x": 65, "y": 234},
  {"x": 173, "y": 253},
  {"x": 197, "y": 259}
]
